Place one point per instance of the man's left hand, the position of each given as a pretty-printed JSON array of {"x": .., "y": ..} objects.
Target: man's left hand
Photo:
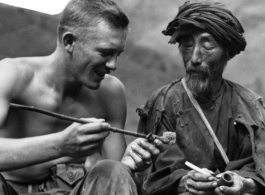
[
  {"x": 241, "y": 185},
  {"x": 140, "y": 154}
]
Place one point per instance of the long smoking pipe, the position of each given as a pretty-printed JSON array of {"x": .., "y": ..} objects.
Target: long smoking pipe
[
  {"x": 150, "y": 137},
  {"x": 225, "y": 180}
]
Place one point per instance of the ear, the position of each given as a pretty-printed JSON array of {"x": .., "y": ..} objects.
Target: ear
[
  {"x": 68, "y": 41},
  {"x": 228, "y": 55}
]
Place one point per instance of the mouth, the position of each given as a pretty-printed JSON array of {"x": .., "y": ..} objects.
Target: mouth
[
  {"x": 195, "y": 72},
  {"x": 101, "y": 73}
]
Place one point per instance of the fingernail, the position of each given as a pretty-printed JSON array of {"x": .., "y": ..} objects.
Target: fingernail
[
  {"x": 133, "y": 146},
  {"x": 214, "y": 184},
  {"x": 221, "y": 188},
  {"x": 106, "y": 125},
  {"x": 156, "y": 141},
  {"x": 210, "y": 178},
  {"x": 142, "y": 142}
]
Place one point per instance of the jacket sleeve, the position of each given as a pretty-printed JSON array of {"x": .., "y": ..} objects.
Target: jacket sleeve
[
  {"x": 166, "y": 172},
  {"x": 164, "y": 175}
]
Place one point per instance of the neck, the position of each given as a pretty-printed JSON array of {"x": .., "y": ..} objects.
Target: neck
[
  {"x": 58, "y": 75},
  {"x": 204, "y": 90},
  {"x": 216, "y": 84}
]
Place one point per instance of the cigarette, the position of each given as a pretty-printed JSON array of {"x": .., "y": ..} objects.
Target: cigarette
[{"x": 192, "y": 166}]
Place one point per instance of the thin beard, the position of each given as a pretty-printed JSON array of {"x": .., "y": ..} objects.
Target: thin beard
[{"x": 200, "y": 85}]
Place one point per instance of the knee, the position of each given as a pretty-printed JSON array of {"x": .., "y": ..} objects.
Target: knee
[
  {"x": 109, "y": 168},
  {"x": 109, "y": 177}
]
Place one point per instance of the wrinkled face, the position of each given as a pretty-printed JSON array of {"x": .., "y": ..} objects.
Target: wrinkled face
[
  {"x": 96, "y": 55},
  {"x": 204, "y": 61}
]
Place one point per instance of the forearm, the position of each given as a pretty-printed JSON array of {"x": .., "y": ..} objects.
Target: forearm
[
  {"x": 114, "y": 147},
  {"x": 19, "y": 153}
]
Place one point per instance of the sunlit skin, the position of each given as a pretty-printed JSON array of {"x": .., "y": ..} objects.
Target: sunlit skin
[
  {"x": 201, "y": 51},
  {"x": 96, "y": 56},
  {"x": 72, "y": 81}
]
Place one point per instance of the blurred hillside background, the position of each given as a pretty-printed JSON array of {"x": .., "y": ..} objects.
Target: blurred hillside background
[{"x": 148, "y": 62}]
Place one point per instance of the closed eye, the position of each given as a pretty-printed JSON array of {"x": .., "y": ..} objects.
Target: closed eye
[
  {"x": 109, "y": 52},
  {"x": 208, "y": 43},
  {"x": 120, "y": 53},
  {"x": 187, "y": 41},
  {"x": 106, "y": 52}
]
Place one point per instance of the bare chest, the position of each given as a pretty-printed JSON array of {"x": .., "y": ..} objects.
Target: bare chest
[{"x": 24, "y": 123}]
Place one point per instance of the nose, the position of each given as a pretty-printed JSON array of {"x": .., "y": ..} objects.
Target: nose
[
  {"x": 111, "y": 63},
  {"x": 196, "y": 57}
]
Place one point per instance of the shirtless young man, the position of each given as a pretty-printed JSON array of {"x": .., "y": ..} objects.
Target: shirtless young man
[{"x": 74, "y": 80}]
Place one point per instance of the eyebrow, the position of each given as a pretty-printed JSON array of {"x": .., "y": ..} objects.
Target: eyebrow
[{"x": 204, "y": 35}]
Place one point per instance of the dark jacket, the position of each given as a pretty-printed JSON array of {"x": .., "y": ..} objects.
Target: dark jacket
[{"x": 237, "y": 117}]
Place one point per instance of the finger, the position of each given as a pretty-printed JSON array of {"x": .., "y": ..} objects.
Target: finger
[
  {"x": 136, "y": 158},
  {"x": 159, "y": 144},
  {"x": 144, "y": 154},
  {"x": 209, "y": 171},
  {"x": 200, "y": 176},
  {"x": 235, "y": 189},
  {"x": 193, "y": 191},
  {"x": 93, "y": 138},
  {"x": 73, "y": 125},
  {"x": 198, "y": 192},
  {"x": 217, "y": 191},
  {"x": 201, "y": 186},
  {"x": 91, "y": 128},
  {"x": 152, "y": 149},
  {"x": 225, "y": 190},
  {"x": 93, "y": 120},
  {"x": 92, "y": 147}
]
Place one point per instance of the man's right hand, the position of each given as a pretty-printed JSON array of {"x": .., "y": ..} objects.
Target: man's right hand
[
  {"x": 82, "y": 140},
  {"x": 198, "y": 183}
]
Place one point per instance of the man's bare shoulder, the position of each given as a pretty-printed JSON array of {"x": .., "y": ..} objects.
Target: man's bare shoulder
[
  {"x": 14, "y": 74},
  {"x": 16, "y": 65},
  {"x": 112, "y": 87},
  {"x": 112, "y": 96}
]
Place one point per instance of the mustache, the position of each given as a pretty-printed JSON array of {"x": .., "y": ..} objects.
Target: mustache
[{"x": 200, "y": 71}]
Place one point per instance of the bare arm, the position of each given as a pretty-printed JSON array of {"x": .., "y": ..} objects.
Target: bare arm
[
  {"x": 115, "y": 145},
  {"x": 76, "y": 140},
  {"x": 113, "y": 96},
  {"x": 14, "y": 153}
]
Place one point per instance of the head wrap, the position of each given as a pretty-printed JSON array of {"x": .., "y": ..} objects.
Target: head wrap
[{"x": 213, "y": 17}]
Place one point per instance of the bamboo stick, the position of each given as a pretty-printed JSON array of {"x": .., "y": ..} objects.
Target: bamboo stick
[{"x": 72, "y": 119}]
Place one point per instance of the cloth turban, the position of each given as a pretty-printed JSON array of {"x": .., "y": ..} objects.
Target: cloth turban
[{"x": 213, "y": 17}]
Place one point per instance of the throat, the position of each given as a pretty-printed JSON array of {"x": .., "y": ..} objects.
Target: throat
[{"x": 73, "y": 91}]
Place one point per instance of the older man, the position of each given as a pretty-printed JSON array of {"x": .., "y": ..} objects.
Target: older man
[{"x": 209, "y": 35}]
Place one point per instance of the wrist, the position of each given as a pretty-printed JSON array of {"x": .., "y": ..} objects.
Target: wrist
[
  {"x": 124, "y": 161},
  {"x": 57, "y": 144}
]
